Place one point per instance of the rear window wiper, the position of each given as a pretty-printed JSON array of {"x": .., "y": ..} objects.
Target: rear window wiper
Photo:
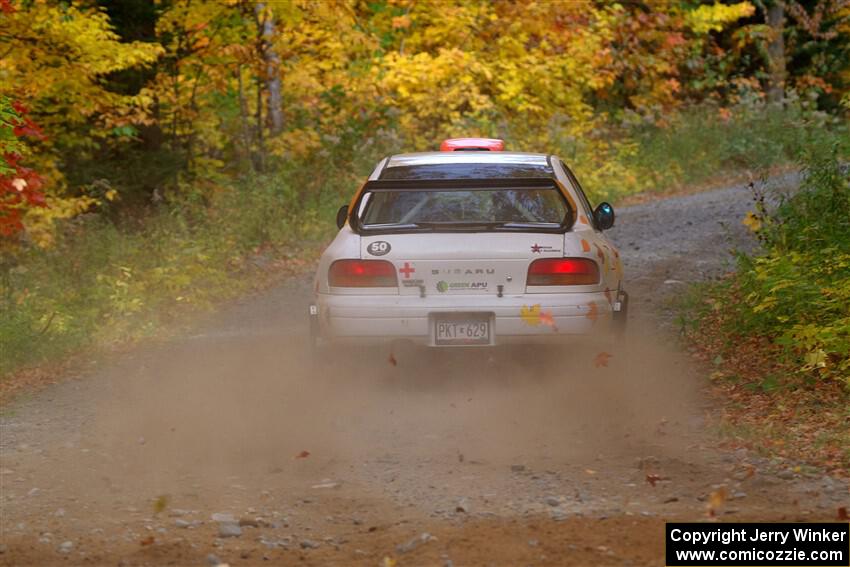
[
  {"x": 434, "y": 226},
  {"x": 392, "y": 226},
  {"x": 460, "y": 225},
  {"x": 530, "y": 225},
  {"x": 501, "y": 225}
]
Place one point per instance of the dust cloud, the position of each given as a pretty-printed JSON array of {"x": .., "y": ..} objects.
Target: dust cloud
[{"x": 222, "y": 422}]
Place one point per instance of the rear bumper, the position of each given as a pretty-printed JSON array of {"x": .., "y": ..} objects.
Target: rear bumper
[{"x": 532, "y": 318}]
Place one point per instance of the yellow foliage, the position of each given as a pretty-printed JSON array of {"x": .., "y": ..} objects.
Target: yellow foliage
[
  {"x": 437, "y": 95},
  {"x": 545, "y": 75},
  {"x": 715, "y": 17},
  {"x": 55, "y": 56},
  {"x": 463, "y": 68},
  {"x": 40, "y": 221},
  {"x": 297, "y": 144},
  {"x": 752, "y": 222}
]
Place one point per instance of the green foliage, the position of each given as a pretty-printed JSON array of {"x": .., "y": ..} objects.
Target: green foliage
[
  {"x": 797, "y": 293},
  {"x": 106, "y": 280},
  {"x": 102, "y": 283},
  {"x": 9, "y": 142},
  {"x": 700, "y": 143},
  {"x": 183, "y": 138}
]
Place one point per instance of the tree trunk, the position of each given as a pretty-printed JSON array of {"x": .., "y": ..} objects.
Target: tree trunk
[
  {"x": 776, "y": 51},
  {"x": 259, "y": 164},
  {"x": 265, "y": 19},
  {"x": 245, "y": 129}
]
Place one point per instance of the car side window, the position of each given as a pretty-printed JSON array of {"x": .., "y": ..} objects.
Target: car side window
[{"x": 588, "y": 210}]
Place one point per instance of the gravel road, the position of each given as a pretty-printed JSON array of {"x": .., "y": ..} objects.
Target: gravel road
[{"x": 224, "y": 447}]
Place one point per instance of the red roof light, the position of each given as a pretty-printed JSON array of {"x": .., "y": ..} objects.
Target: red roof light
[{"x": 472, "y": 145}]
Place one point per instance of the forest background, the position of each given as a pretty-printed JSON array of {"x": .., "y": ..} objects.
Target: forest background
[{"x": 160, "y": 156}]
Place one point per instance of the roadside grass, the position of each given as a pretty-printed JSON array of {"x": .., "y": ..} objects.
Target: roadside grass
[
  {"x": 110, "y": 280},
  {"x": 764, "y": 405},
  {"x": 703, "y": 146},
  {"x": 776, "y": 333},
  {"x": 101, "y": 284}
]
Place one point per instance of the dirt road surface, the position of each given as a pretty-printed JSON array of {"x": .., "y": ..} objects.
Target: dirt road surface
[{"x": 223, "y": 446}]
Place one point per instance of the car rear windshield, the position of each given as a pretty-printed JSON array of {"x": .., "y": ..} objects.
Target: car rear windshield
[{"x": 462, "y": 209}]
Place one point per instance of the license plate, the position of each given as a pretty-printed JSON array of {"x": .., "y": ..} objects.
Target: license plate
[{"x": 466, "y": 330}]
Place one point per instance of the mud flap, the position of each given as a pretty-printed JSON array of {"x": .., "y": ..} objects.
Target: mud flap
[
  {"x": 621, "y": 314},
  {"x": 314, "y": 337}
]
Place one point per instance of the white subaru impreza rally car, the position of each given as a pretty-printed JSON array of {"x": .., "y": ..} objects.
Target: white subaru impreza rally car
[{"x": 469, "y": 248}]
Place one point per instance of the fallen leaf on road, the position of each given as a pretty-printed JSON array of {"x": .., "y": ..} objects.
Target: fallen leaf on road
[
  {"x": 653, "y": 478},
  {"x": 302, "y": 455},
  {"x": 601, "y": 359},
  {"x": 392, "y": 360},
  {"x": 389, "y": 562},
  {"x": 147, "y": 541},
  {"x": 462, "y": 506},
  {"x": 842, "y": 514},
  {"x": 590, "y": 471},
  {"x": 160, "y": 504},
  {"x": 716, "y": 500}
]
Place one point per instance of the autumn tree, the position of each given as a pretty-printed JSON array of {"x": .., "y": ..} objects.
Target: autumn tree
[
  {"x": 20, "y": 186},
  {"x": 185, "y": 94},
  {"x": 56, "y": 58},
  {"x": 511, "y": 66}
]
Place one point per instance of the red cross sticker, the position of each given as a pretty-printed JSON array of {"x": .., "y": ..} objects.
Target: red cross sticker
[{"x": 406, "y": 270}]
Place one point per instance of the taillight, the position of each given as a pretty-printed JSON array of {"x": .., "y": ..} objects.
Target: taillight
[
  {"x": 563, "y": 271},
  {"x": 362, "y": 273}
]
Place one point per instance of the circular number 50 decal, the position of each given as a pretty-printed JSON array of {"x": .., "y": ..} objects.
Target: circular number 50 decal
[{"x": 378, "y": 248}]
